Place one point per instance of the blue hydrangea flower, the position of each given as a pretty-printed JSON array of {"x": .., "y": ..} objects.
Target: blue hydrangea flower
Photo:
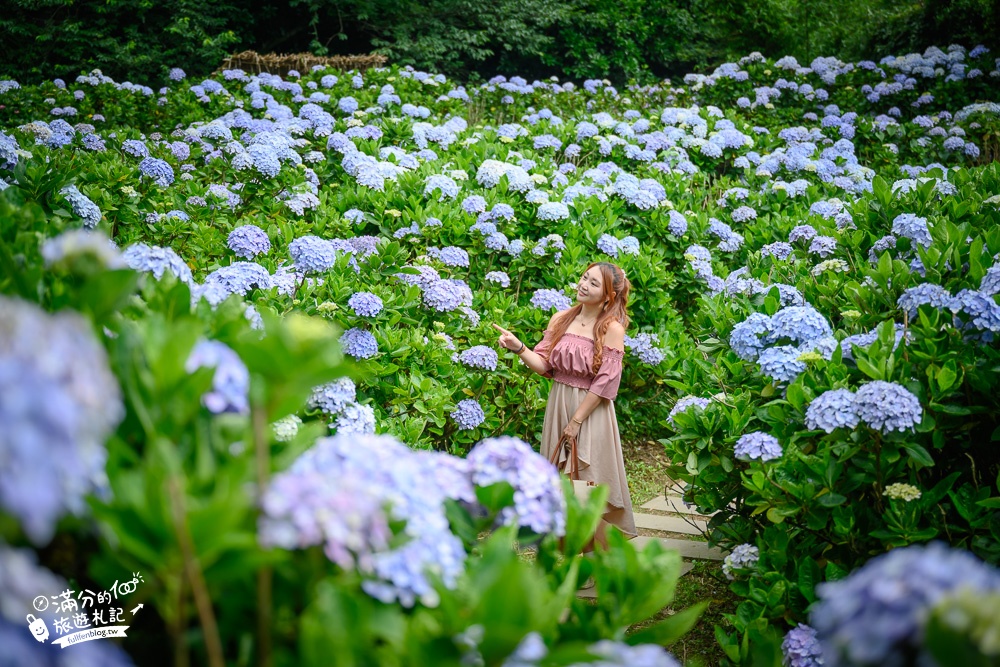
[
  {"x": 678, "y": 224},
  {"x": 981, "y": 310},
  {"x": 474, "y": 204},
  {"x": 158, "y": 170},
  {"x": 802, "y": 232},
  {"x": 450, "y": 256},
  {"x": 876, "y": 616},
  {"x": 926, "y": 294},
  {"x": 135, "y": 148},
  {"x": 990, "y": 284},
  {"x": 832, "y": 410},
  {"x": 742, "y": 557},
  {"x": 644, "y": 346},
  {"x": 498, "y": 277},
  {"x": 757, "y": 446},
  {"x": 343, "y": 494},
  {"x": 264, "y": 159},
  {"x": 59, "y": 402},
  {"x": 552, "y": 211},
  {"x": 801, "y": 648},
  {"x": 447, "y": 295},
  {"x": 824, "y": 246},
  {"x": 365, "y": 304},
  {"x": 359, "y": 343},
  {"x": 240, "y": 277},
  {"x": 539, "y": 503},
  {"x": 157, "y": 260},
  {"x": 684, "y": 404},
  {"x": 912, "y": 227},
  {"x": 779, "y": 250},
  {"x": 748, "y": 337},
  {"x": 248, "y": 241},
  {"x": 332, "y": 397},
  {"x": 356, "y": 418},
  {"x": 82, "y": 206},
  {"x": 312, "y": 254},
  {"x": 608, "y": 245},
  {"x": 469, "y": 414},
  {"x": 800, "y": 324},
  {"x": 448, "y": 188},
  {"x": 744, "y": 213},
  {"x": 887, "y": 407},
  {"x": 231, "y": 382},
  {"x": 781, "y": 363},
  {"x": 550, "y": 299}
]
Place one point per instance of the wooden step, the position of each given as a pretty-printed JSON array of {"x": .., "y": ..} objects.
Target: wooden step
[
  {"x": 672, "y": 504},
  {"x": 670, "y": 524},
  {"x": 687, "y": 548}
]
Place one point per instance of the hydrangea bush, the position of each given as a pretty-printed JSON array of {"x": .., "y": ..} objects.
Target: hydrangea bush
[{"x": 812, "y": 252}]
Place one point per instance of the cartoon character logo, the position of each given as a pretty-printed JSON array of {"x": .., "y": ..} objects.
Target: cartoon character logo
[{"x": 39, "y": 630}]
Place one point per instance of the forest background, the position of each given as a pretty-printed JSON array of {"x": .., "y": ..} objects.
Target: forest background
[{"x": 620, "y": 40}]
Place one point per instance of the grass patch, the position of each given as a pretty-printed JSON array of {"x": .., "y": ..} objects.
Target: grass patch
[
  {"x": 645, "y": 468},
  {"x": 698, "y": 648}
]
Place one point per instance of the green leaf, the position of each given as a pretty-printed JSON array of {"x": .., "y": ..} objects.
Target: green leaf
[
  {"x": 919, "y": 454},
  {"x": 669, "y": 630}
]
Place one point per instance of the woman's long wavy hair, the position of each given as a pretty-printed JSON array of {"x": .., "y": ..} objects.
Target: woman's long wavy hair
[{"x": 616, "y": 290}]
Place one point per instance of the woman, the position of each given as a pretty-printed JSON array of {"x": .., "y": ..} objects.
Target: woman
[{"x": 582, "y": 350}]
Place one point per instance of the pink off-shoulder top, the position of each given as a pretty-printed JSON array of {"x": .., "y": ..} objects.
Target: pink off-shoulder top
[{"x": 572, "y": 363}]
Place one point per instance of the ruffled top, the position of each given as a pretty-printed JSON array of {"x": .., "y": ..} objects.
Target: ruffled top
[{"x": 572, "y": 363}]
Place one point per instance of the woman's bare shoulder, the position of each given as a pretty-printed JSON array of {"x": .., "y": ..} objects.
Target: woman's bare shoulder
[
  {"x": 615, "y": 336},
  {"x": 555, "y": 318}
]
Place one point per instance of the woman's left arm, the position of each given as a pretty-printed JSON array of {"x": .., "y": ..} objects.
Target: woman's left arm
[{"x": 615, "y": 339}]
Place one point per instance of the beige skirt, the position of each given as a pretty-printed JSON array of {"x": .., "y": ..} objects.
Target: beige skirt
[{"x": 599, "y": 449}]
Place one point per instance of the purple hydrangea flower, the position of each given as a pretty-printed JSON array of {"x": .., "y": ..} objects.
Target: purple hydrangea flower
[
  {"x": 887, "y": 407},
  {"x": 552, "y": 211},
  {"x": 678, "y": 224},
  {"x": 450, "y": 256},
  {"x": 608, "y": 245},
  {"x": 474, "y": 204},
  {"x": 135, "y": 148},
  {"x": 469, "y": 414},
  {"x": 359, "y": 343},
  {"x": 981, "y": 310},
  {"x": 757, "y": 446},
  {"x": 803, "y": 232},
  {"x": 231, "y": 382},
  {"x": 744, "y": 213}
]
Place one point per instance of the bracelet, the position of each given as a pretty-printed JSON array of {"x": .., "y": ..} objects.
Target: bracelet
[
  {"x": 578, "y": 422},
  {"x": 522, "y": 349}
]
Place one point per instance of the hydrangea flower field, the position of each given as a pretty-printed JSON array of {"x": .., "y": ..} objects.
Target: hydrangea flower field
[{"x": 245, "y": 349}]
